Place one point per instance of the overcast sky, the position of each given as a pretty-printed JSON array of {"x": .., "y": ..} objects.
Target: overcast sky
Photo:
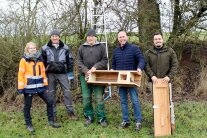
[
  {"x": 166, "y": 13},
  {"x": 3, "y": 4}
]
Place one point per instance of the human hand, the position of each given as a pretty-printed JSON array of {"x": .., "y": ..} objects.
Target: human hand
[
  {"x": 166, "y": 79},
  {"x": 154, "y": 79},
  {"x": 91, "y": 70},
  {"x": 20, "y": 91},
  {"x": 139, "y": 71}
]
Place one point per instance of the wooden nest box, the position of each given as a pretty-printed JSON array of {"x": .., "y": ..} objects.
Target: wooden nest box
[{"x": 115, "y": 77}]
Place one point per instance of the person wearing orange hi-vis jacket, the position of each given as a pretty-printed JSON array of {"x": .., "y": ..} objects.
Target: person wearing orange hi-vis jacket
[{"x": 32, "y": 80}]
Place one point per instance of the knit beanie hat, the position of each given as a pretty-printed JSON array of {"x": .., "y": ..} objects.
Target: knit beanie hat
[
  {"x": 55, "y": 32},
  {"x": 91, "y": 32}
]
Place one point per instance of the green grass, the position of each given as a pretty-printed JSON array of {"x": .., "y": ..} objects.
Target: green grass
[{"x": 191, "y": 122}]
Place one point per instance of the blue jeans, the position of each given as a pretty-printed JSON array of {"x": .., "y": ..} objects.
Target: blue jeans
[
  {"x": 133, "y": 92},
  {"x": 28, "y": 104}
]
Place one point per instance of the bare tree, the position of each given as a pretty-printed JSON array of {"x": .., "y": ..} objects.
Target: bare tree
[{"x": 188, "y": 15}]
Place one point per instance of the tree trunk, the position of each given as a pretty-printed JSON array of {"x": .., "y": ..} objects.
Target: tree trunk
[
  {"x": 148, "y": 21},
  {"x": 176, "y": 22}
]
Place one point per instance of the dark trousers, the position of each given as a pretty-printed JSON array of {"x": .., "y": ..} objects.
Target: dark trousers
[
  {"x": 28, "y": 104},
  {"x": 62, "y": 79}
]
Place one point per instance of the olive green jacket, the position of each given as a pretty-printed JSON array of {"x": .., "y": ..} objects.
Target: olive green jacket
[{"x": 161, "y": 63}]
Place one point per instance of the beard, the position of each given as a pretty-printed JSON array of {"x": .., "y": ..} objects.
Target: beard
[{"x": 158, "y": 46}]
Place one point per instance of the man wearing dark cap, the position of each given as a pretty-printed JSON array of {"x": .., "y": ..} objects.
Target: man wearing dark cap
[
  {"x": 58, "y": 62},
  {"x": 91, "y": 57}
]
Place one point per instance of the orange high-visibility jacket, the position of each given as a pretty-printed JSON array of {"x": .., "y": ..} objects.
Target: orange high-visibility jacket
[{"x": 31, "y": 76}]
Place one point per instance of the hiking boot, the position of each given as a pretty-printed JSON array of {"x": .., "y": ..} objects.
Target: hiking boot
[
  {"x": 54, "y": 124},
  {"x": 103, "y": 123},
  {"x": 30, "y": 128},
  {"x": 124, "y": 125},
  {"x": 138, "y": 126},
  {"x": 72, "y": 116},
  {"x": 88, "y": 122}
]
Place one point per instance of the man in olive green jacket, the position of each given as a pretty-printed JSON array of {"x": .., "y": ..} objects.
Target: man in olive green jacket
[{"x": 161, "y": 61}]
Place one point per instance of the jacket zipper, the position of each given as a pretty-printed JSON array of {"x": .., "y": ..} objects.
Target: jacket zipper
[
  {"x": 34, "y": 70},
  {"x": 39, "y": 70}
]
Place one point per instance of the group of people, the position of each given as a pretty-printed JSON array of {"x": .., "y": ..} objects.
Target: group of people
[{"x": 40, "y": 71}]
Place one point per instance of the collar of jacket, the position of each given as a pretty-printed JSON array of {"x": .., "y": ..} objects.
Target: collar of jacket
[
  {"x": 31, "y": 59},
  {"x": 163, "y": 49},
  {"x": 124, "y": 46},
  {"x": 61, "y": 44},
  {"x": 96, "y": 43}
]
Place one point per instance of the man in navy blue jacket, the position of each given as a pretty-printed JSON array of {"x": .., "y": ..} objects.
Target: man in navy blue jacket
[{"x": 128, "y": 57}]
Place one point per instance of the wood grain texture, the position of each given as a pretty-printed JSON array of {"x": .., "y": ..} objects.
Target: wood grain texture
[
  {"x": 118, "y": 77},
  {"x": 161, "y": 105}
]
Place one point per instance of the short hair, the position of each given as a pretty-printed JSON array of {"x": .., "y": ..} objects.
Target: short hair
[
  {"x": 157, "y": 33},
  {"x": 27, "y": 47}
]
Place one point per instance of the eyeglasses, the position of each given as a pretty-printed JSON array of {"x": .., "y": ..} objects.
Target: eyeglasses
[{"x": 32, "y": 48}]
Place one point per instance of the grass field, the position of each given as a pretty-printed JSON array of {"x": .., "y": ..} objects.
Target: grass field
[{"x": 191, "y": 122}]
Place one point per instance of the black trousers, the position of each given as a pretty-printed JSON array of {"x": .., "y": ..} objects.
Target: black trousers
[{"x": 28, "y": 104}]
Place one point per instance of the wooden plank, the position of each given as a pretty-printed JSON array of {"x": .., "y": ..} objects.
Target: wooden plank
[
  {"x": 115, "y": 77},
  {"x": 162, "y": 124}
]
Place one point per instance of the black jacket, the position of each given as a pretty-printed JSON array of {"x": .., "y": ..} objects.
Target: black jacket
[{"x": 57, "y": 60}]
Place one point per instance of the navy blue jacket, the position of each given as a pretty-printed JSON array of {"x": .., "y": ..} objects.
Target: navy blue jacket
[{"x": 128, "y": 57}]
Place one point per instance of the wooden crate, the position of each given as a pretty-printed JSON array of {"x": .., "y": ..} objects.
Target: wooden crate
[
  {"x": 161, "y": 101},
  {"x": 115, "y": 77}
]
